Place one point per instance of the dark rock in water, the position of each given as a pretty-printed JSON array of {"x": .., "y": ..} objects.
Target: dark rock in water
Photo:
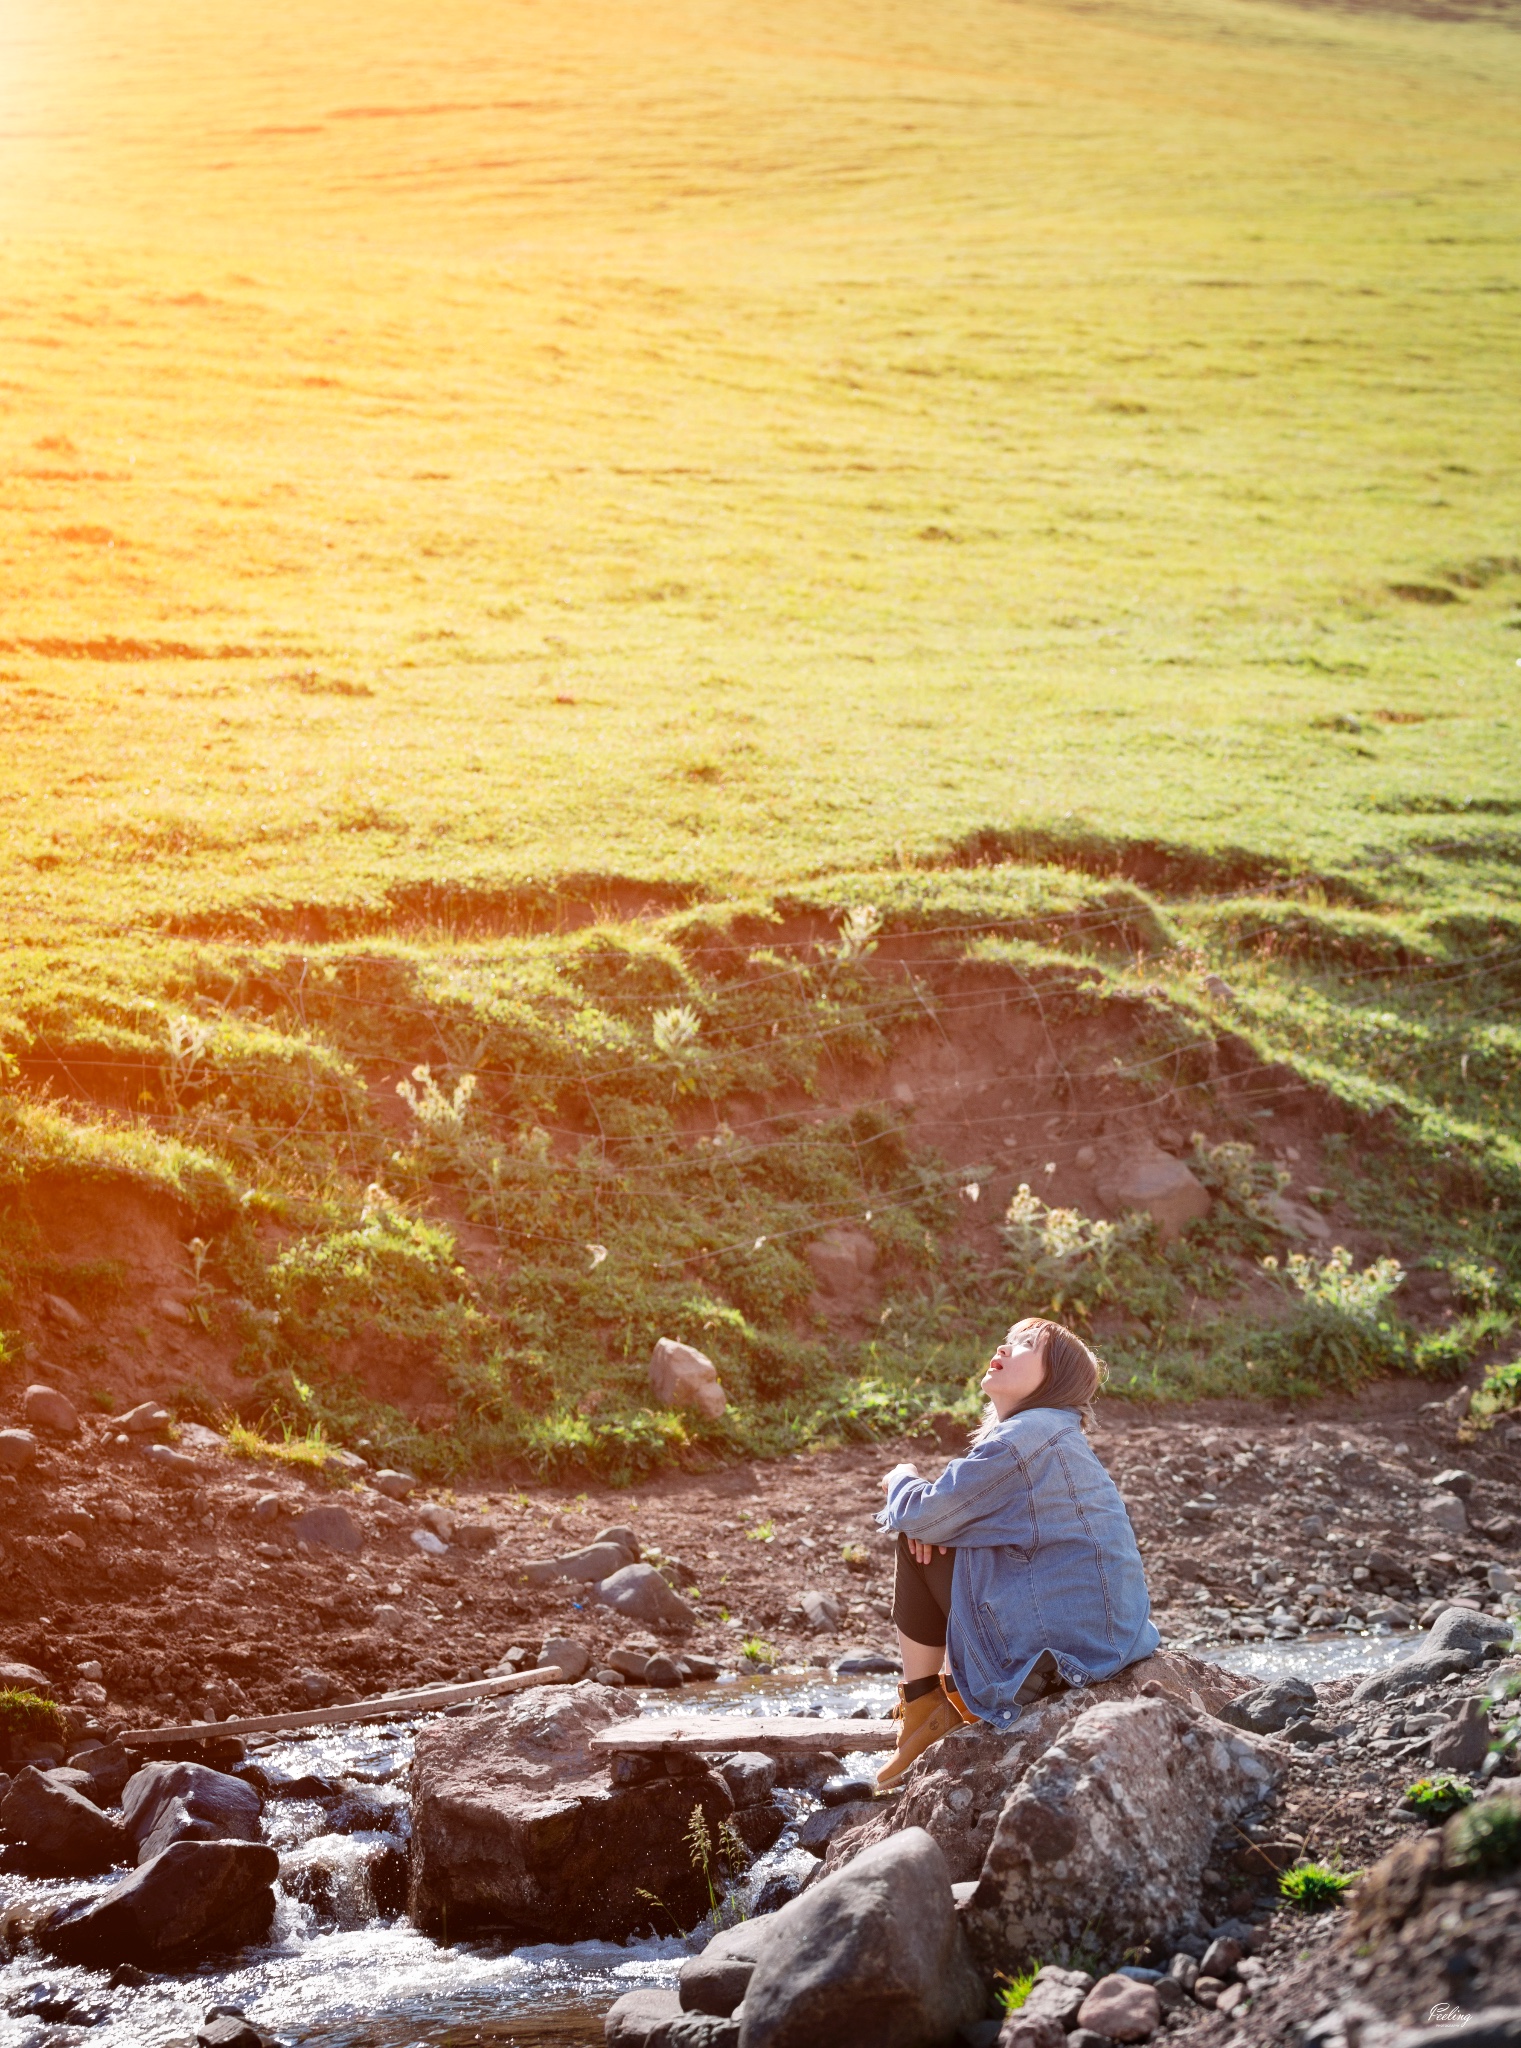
[
  {"x": 777, "y": 1892},
  {"x": 867, "y": 1664},
  {"x": 717, "y": 1980},
  {"x": 749, "y": 1774},
  {"x": 193, "y": 1900},
  {"x": 872, "y": 1957},
  {"x": 166, "y": 1803},
  {"x": 759, "y": 1826},
  {"x": 662, "y": 1671},
  {"x": 820, "y": 1828},
  {"x": 109, "y": 1766},
  {"x": 638, "y": 2016},
  {"x": 640, "y": 1592},
  {"x": 843, "y": 1791},
  {"x": 64, "y": 1833},
  {"x": 699, "y": 1669},
  {"x": 518, "y": 1826},
  {"x": 227, "y": 2030},
  {"x": 1272, "y": 1707},
  {"x": 1456, "y": 1643},
  {"x": 272, "y": 1783}
]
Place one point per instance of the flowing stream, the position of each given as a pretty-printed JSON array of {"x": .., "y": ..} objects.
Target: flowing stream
[{"x": 342, "y": 1971}]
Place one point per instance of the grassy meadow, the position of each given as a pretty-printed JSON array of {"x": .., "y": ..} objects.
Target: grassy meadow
[{"x": 1049, "y": 474}]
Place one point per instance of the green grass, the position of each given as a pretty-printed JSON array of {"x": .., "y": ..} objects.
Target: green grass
[
  {"x": 25, "y": 1714},
  {"x": 1314, "y": 1887},
  {"x": 1484, "y": 1839},
  {"x": 533, "y": 660},
  {"x": 1013, "y": 1993}
]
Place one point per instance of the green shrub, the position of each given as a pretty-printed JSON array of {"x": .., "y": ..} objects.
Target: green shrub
[
  {"x": 1434, "y": 1798},
  {"x": 1013, "y": 1992},
  {"x": 1485, "y": 1838},
  {"x": 1313, "y": 1887}
]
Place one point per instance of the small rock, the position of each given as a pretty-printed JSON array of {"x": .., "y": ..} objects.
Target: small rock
[
  {"x": 631, "y": 1663},
  {"x": 1271, "y": 1707},
  {"x": 662, "y": 1671},
  {"x": 1084, "y": 2037},
  {"x": 1184, "y": 1970},
  {"x": 267, "y": 1507},
  {"x": 625, "y": 1539},
  {"x": 388, "y": 1619},
  {"x": 749, "y": 1775},
  {"x": 1207, "y": 1989},
  {"x": 108, "y": 1766},
  {"x": 697, "y": 1669},
  {"x": 1464, "y": 1743},
  {"x": 45, "y": 1408},
  {"x": 333, "y": 1527},
  {"x": 317, "y": 1686},
  {"x": 597, "y": 1561},
  {"x": 1298, "y": 1219},
  {"x": 573, "y": 1658},
  {"x": 395, "y": 1485},
  {"x": 474, "y": 1535},
  {"x": 716, "y": 1980},
  {"x": 146, "y": 1419},
  {"x": 867, "y": 1663},
  {"x": 27, "y": 1678},
  {"x": 843, "y": 1791},
  {"x": 1221, "y": 1958},
  {"x": 639, "y": 1591},
  {"x": 638, "y": 2016},
  {"x": 821, "y": 1827},
  {"x": 1025, "y": 2029},
  {"x": 18, "y": 1450},
  {"x": 1501, "y": 1579},
  {"x": 1151, "y": 1180},
  {"x": 681, "y": 1377},
  {"x": 1086, "y": 1158},
  {"x": 227, "y": 2030},
  {"x": 822, "y": 1611},
  {"x": 1454, "y": 1480},
  {"x": 1121, "y": 2008},
  {"x": 438, "y": 1519},
  {"x": 428, "y": 1543},
  {"x": 1446, "y": 1513},
  {"x": 57, "y": 1310},
  {"x": 171, "y": 1465},
  {"x": 1456, "y": 1643},
  {"x": 605, "y": 1675},
  {"x": 172, "y": 1309},
  {"x": 1170, "y": 1994}
]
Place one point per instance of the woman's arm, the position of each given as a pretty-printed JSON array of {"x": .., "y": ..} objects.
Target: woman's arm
[{"x": 949, "y": 1509}]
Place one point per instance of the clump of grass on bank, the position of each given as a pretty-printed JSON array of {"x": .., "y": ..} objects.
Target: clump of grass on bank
[
  {"x": 1315, "y": 1887},
  {"x": 26, "y": 1715}
]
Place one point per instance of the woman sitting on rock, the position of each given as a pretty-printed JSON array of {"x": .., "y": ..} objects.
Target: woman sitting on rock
[{"x": 1017, "y": 1569}]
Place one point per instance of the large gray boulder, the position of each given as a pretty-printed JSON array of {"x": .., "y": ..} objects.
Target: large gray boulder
[
  {"x": 957, "y": 1789},
  {"x": 65, "y": 1834},
  {"x": 195, "y": 1899},
  {"x": 1136, "y": 1786},
  {"x": 1456, "y": 1643},
  {"x": 166, "y": 1803},
  {"x": 517, "y": 1826},
  {"x": 872, "y": 1957}
]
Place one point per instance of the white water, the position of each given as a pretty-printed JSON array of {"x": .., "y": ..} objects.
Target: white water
[{"x": 348, "y": 1978}]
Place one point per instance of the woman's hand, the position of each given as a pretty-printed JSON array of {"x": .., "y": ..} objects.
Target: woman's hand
[
  {"x": 888, "y": 1477},
  {"x": 922, "y": 1552}
]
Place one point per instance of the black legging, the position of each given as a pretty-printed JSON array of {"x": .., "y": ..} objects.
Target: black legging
[
  {"x": 922, "y": 1594},
  {"x": 922, "y": 1605}
]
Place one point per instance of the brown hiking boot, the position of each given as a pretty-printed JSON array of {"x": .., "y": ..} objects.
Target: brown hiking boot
[{"x": 922, "y": 1722}]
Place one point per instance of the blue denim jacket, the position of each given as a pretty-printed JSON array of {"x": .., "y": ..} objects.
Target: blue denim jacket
[{"x": 1046, "y": 1559}]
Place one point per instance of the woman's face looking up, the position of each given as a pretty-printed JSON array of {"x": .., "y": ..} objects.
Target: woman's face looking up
[{"x": 1015, "y": 1370}]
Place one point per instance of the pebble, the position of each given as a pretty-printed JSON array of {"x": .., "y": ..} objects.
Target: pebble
[
  {"x": 389, "y": 1618},
  {"x": 171, "y": 1465},
  {"x": 438, "y": 1519},
  {"x": 395, "y": 1485},
  {"x": 660, "y": 1670},
  {"x": 573, "y": 1658},
  {"x": 143, "y": 1420},
  {"x": 428, "y": 1543},
  {"x": 45, "y": 1408},
  {"x": 57, "y": 1310},
  {"x": 1122, "y": 2009},
  {"x": 18, "y": 1449},
  {"x": 605, "y": 1675},
  {"x": 331, "y": 1526}
]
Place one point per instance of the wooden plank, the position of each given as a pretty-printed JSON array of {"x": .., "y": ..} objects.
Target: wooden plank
[
  {"x": 775, "y": 1735},
  {"x": 383, "y": 1707}
]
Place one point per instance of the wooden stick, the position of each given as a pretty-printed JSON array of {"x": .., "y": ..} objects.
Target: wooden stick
[
  {"x": 383, "y": 1708},
  {"x": 778, "y": 1734}
]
